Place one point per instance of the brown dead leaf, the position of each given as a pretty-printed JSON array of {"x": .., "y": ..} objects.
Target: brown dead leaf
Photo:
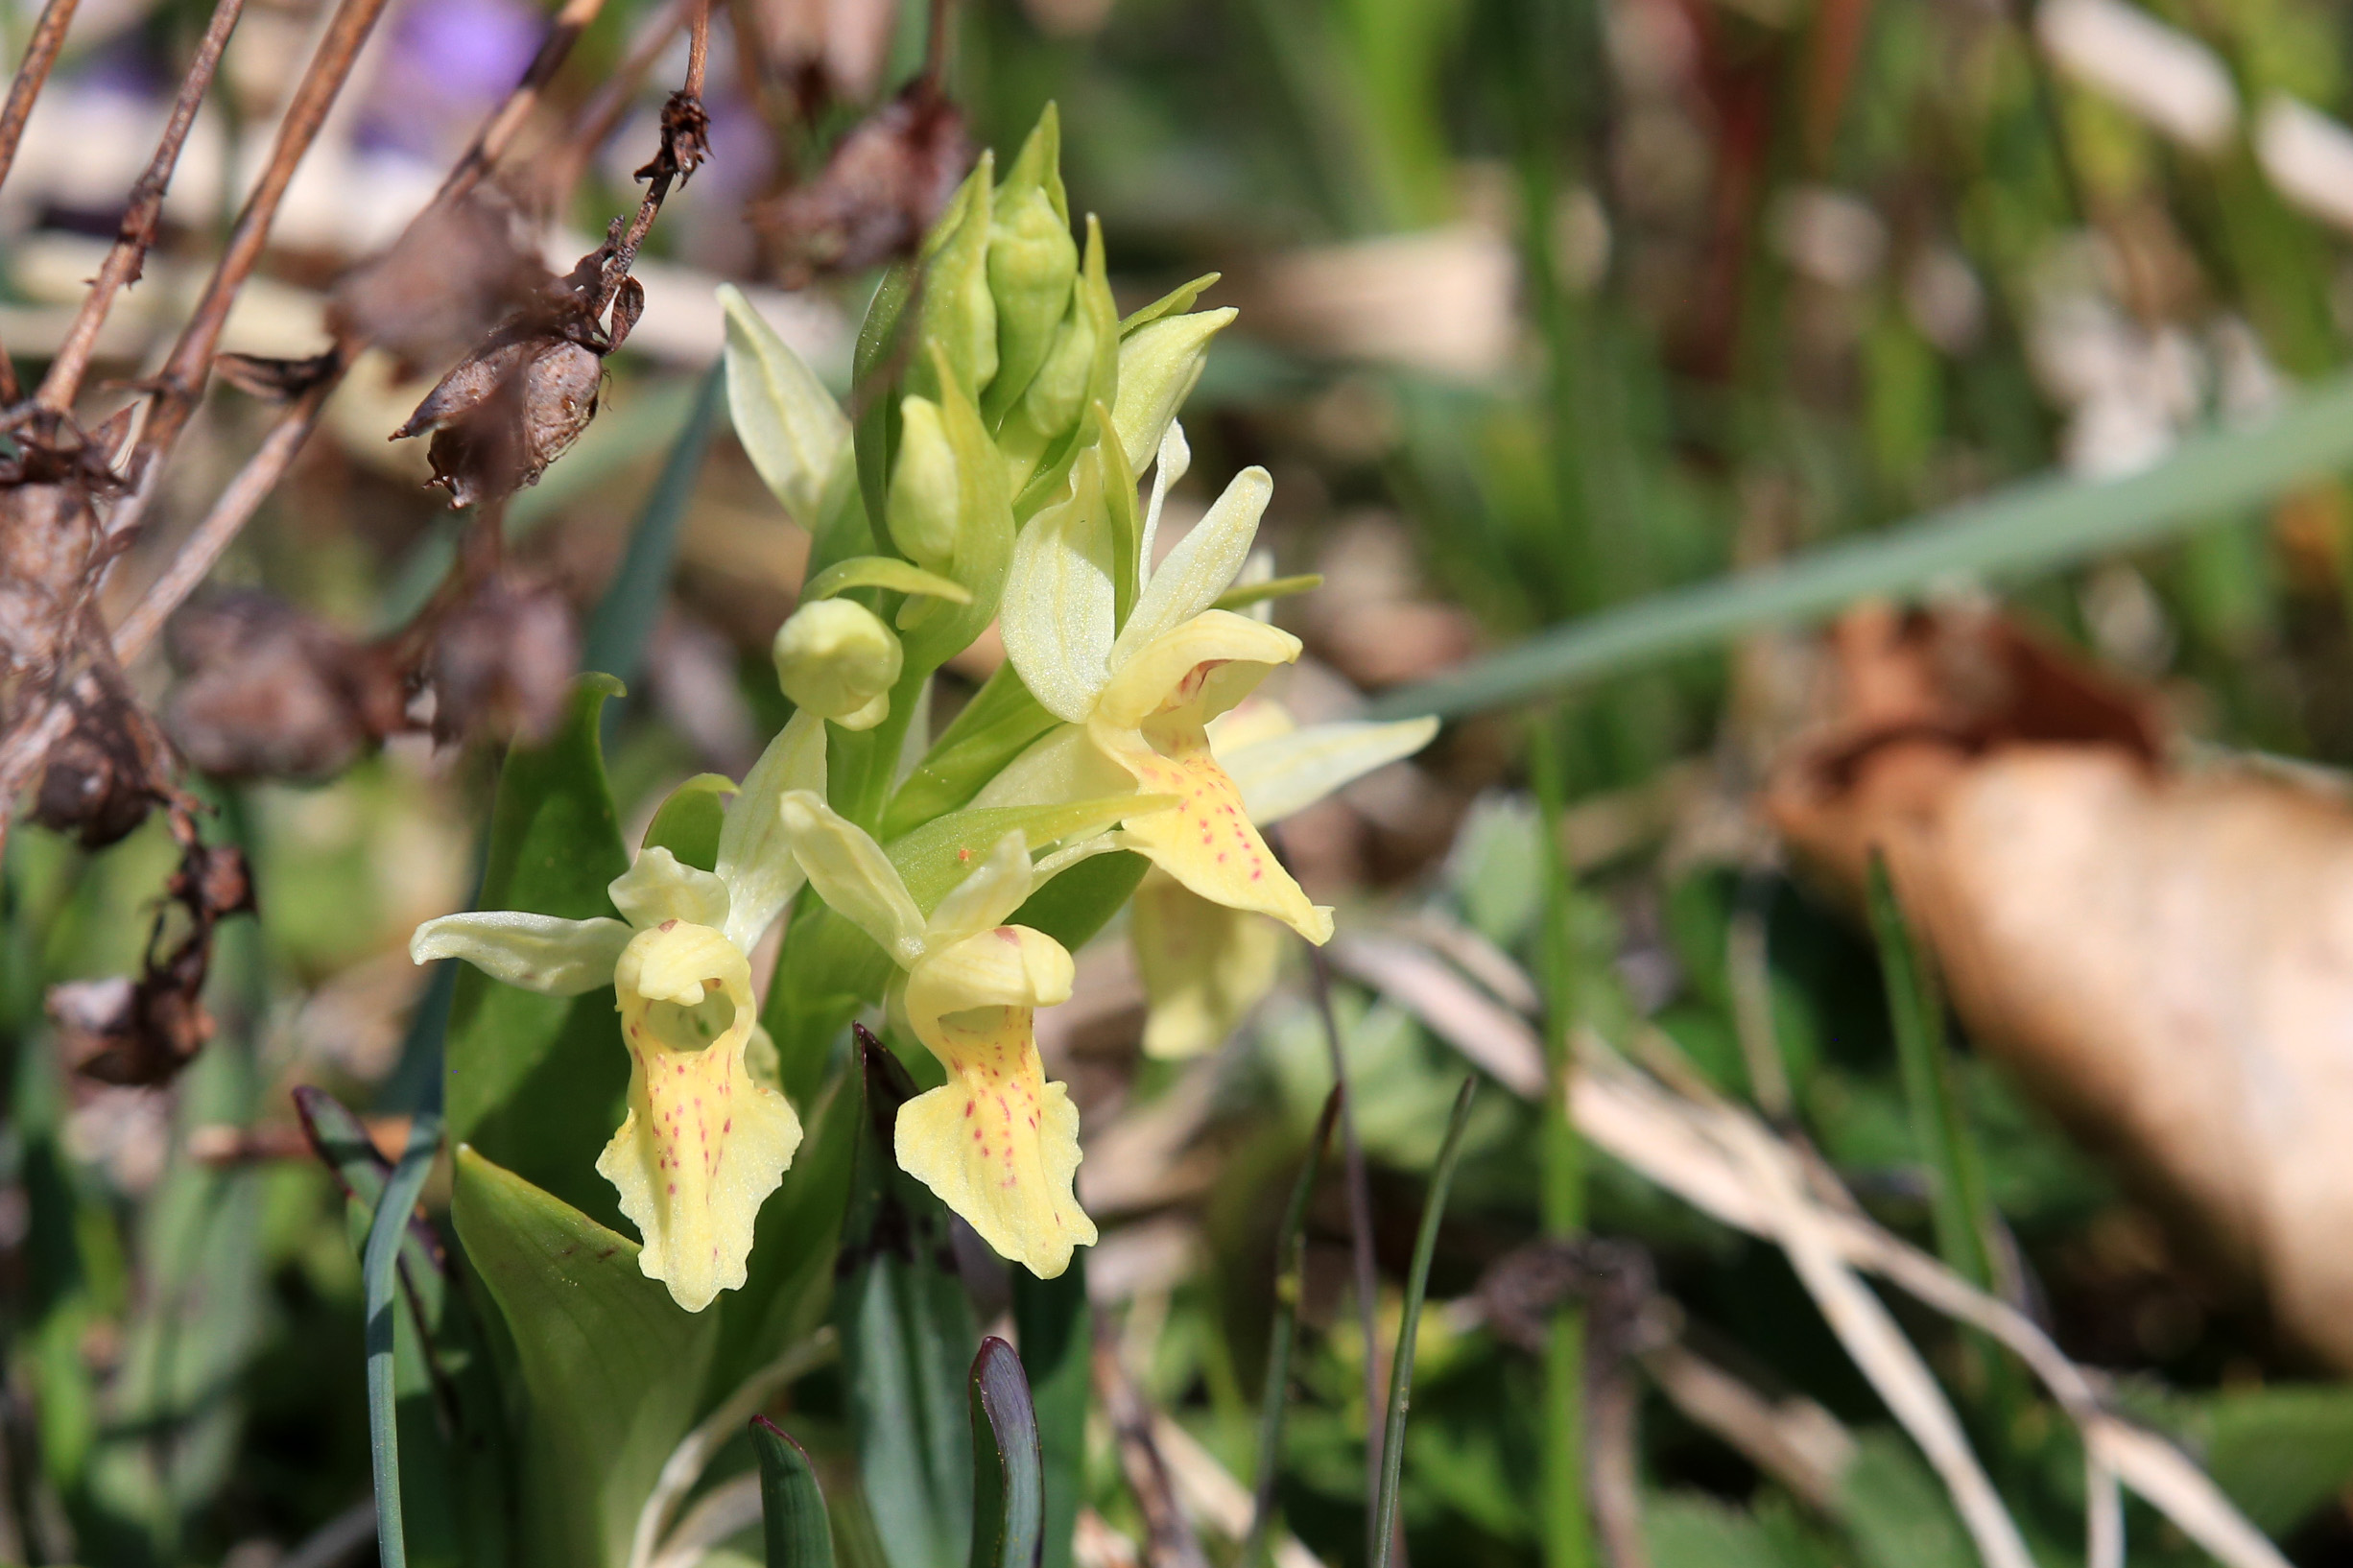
[
  {"x": 2164, "y": 957},
  {"x": 456, "y": 272},
  {"x": 502, "y": 661},
  {"x": 273, "y": 693}
]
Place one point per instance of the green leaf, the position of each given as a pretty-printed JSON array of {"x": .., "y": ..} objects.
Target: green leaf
[
  {"x": 536, "y": 1082},
  {"x": 388, "y": 1232},
  {"x": 2277, "y": 1452},
  {"x": 1689, "y": 1530},
  {"x": 827, "y": 971},
  {"x": 786, "y": 422},
  {"x": 1080, "y": 902},
  {"x": 1895, "y": 1512},
  {"x": 1008, "y": 1486},
  {"x": 687, "y": 823},
  {"x": 1409, "y": 1326},
  {"x": 615, "y": 640},
  {"x": 610, "y": 1366},
  {"x": 882, "y": 572},
  {"x": 1057, "y": 1328},
  {"x": 792, "y": 1508},
  {"x": 942, "y": 853},
  {"x": 2039, "y": 526},
  {"x": 1175, "y": 302},
  {"x": 906, "y": 1326},
  {"x": 998, "y": 724}
]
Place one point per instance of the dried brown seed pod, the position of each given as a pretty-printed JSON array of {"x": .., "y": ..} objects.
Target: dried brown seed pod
[
  {"x": 48, "y": 541},
  {"x": 505, "y": 413},
  {"x": 885, "y": 183},
  {"x": 501, "y": 662},
  {"x": 273, "y": 693},
  {"x": 110, "y": 769}
]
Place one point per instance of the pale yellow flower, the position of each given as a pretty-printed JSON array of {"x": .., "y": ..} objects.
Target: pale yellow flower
[
  {"x": 705, "y": 1141},
  {"x": 997, "y": 1143}
]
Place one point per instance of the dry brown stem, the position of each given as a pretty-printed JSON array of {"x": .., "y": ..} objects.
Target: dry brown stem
[
  {"x": 506, "y": 122},
  {"x": 31, "y": 75},
  {"x": 560, "y": 171},
  {"x": 140, "y": 219}
]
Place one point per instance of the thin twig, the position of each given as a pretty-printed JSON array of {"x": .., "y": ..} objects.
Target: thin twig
[
  {"x": 141, "y": 218},
  {"x": 595, "y": 122},
  {"x": 31, "y": 75},
  {"x": 1170, "y": 1541},
  {"x": 190, "y": 361}
]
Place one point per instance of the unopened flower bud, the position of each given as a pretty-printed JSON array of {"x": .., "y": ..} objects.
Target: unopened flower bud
[
  {"x": 958, "y": 310},
  {"x": 836, "y": 659},
  {"x": 1158, "y": 364},
  {"x": 1057, "y": 394},
  {"x": 1031, "y": 260},
  {"x": 926, "y": 493}
]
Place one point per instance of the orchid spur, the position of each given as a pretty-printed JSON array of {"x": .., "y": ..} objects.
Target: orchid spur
[
  {"x": 997, "y": 1143},
  {"x": 705, "y": 1141}
]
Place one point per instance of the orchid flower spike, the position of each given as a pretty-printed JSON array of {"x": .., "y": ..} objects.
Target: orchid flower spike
[
  {"x": 705, "y": 1141},
  {"x": 1137, "y": 698},
  {"x": 997, "y": 1143}
]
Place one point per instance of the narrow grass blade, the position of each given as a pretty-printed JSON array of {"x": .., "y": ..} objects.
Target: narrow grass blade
[
  {"x": 1958, "y": 1200},
  {"x": 625, "y": 617},
  {"x": 1008, "y": 1496},
  {"x": 1057, "y": 1329},
  {"x": 1567, "y": 1533},
  {"x": 792, "y": 1508},
  {"x": 2038, "y": 526},
  {"x": 379, "y": 1279},
  {"x": 1290, "y": 1279},
  {"x": 1416, "y": 1286}
]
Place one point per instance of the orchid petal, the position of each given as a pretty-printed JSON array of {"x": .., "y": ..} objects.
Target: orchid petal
[
  {"x": 1169, "y": 670},
  {"x": 982, "y": 901},
  {"x": 660, "y": 888},
  {"x": 1057, "y": 613},
  {"x": 1175, "y": 457},
  {"x": 704, "y": 1142},
  {"x": 537, "y": 952},
  {"x": 998, "y": 1144},
  {"x": 1201, "y": 566},
  {"x": 1158, "y": 364},
  {"x": 853, "y": 875},
  {"x": 1286, "y": 774},
  {"x": 755, "y": 858}
]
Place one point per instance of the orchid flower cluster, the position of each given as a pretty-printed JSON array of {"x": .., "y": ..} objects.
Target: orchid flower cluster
[{"x": 992, "y": 479}]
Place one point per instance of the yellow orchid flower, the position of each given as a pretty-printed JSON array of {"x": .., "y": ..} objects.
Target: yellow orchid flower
[
  {"x": 1205, "y": 965},
  {"x": 997, "y": 1143},
  {"x": 705, "y": 1141},
  {"x": 1137, "y": 698}
]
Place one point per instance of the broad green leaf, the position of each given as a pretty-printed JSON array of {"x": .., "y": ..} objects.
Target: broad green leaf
[
  {"x": 906, "y": 1328},
  {"x": 1008, "y": 1488},
  {"x": 882, "y": 572},
  {"x": 536, "y": 1082},
  {"x": 1079, "y": 902},
  {"x": 942, "y": 853},
  {"x": 792, "y": 1508},
  {"x": 610, "y": 1366},
  {"x": 1056, "y": 1330},
  {"x": 997, "y": 726},
  {"x": 2279, "y": 1452},
  {"x": 1688, "y": 1529},
  {"x": 789, "y": 424},
  {"x": 1896, "y": 1513},
  {"x": 687, "y": 823},
  {"x": 827, "y": 971}
]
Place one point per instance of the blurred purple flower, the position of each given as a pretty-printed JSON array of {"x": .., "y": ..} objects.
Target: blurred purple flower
[{"x": 447, "y": 62}]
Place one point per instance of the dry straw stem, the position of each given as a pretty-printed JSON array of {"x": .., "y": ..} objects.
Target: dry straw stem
[
  {"x": 1724, "y": 1162},
  {"x": 31, "y": 75},
  {"x": 1170, "y": 1541}
]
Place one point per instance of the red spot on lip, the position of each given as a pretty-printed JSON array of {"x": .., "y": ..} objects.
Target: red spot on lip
[{"x": 962, "y": 855}]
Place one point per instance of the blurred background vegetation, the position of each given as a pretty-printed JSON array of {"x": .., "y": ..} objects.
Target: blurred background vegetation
[{"x": 1547, "y": 306}]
